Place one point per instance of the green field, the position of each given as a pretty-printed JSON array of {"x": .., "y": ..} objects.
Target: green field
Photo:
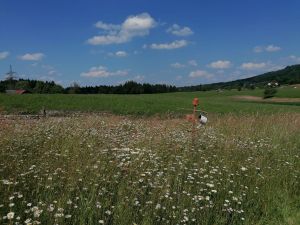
[{"x": 170, "y": 103}]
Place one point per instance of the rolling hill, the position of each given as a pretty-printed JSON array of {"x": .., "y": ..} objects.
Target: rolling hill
[{"x": 288, "y": 75}]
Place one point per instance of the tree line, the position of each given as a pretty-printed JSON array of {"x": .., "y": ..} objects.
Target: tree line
[
  {"x": 288, "y": 75},
  {"x": 32, "y": 86},
  {"x": 130, "y": 87},
  {"x": 50, "y": 87}
]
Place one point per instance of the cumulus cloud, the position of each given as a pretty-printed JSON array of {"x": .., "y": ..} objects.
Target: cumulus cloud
[
  {"x": 294, "y": 58},
  {"x": 107, "y": 26},
  {"x": 32, "y": 57},
  {"x": 200, "y": 73},
  {"x": 121, "y": 54},
  {"x": 4, "y": 55},
  {"x": 262, "y": 67},
  {"x": 253, "y": 66},
  {"x": 269, "y": 48},
  {"x": 107, "y": 40},
  {"x": 118, "y": 54},
  {"x": 177, "y": 65},
  {"x": 274, "y": 67},
  {"x": 133, "y": 26},
  {"x": 139, "y": 23},
  {"x": 179, "y": 31},
  {"x": 272, "y": 48},
  {"x": 169, "y": 46},
  {"x": 220, "y": 64},
  {"x": 102, "y": 72},
  {"x": 139, "y": 78}
]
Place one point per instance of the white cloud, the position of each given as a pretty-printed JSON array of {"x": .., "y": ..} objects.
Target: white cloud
[
  {"x": 133, "y": 26},
  {"x": 220, "y": 64},
  {"x": 261, "y": 67},
  {"x": 272, "y": 48},
  {"x": 48, "y": 78},
  {"x": 121, "y": 54},
  {"x": 4, "y": 55},
  {"x": 139, "y": 78},
  {"x": 274, "y": 67},
  {"x": 32, "y": 57},
  {"x": 179, "y": 31},
  {"x": 253, "y": 66},
  {"x": 139, "y": 23},
  {"x": 193, "y": 62},
  {"x": 294, "y": 58},
  {"x": 107, "y": 40},
  {"x": 101, "y": 71},
  {"x": 168, "y": 46},
  {"x": 200, "y": 73},
  {"x": 269, "y": 48},
  {"x": 177, "y": 65},
  {"x": 106, "y": 26}
]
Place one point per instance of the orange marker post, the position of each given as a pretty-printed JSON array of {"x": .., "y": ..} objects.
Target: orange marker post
[{"x": 195, "y": 104}]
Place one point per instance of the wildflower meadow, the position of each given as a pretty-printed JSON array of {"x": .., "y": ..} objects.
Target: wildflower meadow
[{"x": 105, "y": 169}]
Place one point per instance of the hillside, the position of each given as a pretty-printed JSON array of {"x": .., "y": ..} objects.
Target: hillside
[{"x": 288, "y": 75}]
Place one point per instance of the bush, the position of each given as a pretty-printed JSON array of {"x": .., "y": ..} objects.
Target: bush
[{"x": 270, "y": 92}]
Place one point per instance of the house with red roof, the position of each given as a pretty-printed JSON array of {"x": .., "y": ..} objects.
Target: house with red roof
[{"x": 17, "y": 92}]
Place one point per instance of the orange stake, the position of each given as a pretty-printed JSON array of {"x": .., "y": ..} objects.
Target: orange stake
[{"x": 195, "y": 103}]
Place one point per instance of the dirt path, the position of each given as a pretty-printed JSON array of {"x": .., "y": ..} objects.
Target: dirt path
[{"x": 260, "y": 99}]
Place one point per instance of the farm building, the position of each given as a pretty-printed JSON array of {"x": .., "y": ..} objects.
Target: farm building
[
  {"x": 273, "y": 83},
  {"x": 17, "y": 92}
]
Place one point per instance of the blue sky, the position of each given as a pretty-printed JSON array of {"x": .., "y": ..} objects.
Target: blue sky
[{"x": 174, "y": 42}]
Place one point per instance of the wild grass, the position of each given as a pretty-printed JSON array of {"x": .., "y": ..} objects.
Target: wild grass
[{"x": 239, "y": 169}]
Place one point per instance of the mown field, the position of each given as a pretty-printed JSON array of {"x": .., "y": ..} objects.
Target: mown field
[
  {"x": 159, "y": 104},
  {"x": 243, "y": 167}
]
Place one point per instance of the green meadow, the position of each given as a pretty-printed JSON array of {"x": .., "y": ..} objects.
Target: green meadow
[{"x": 151, "y": 104}]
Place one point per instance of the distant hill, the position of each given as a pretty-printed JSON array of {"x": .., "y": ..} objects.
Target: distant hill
[{"x": 288, "y": 75}]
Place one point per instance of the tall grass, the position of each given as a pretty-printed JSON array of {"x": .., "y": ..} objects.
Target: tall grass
[{"x": 121, "y": 170}]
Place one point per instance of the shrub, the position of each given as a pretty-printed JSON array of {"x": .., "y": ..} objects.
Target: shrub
[{"x": 270, "y": 92}]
